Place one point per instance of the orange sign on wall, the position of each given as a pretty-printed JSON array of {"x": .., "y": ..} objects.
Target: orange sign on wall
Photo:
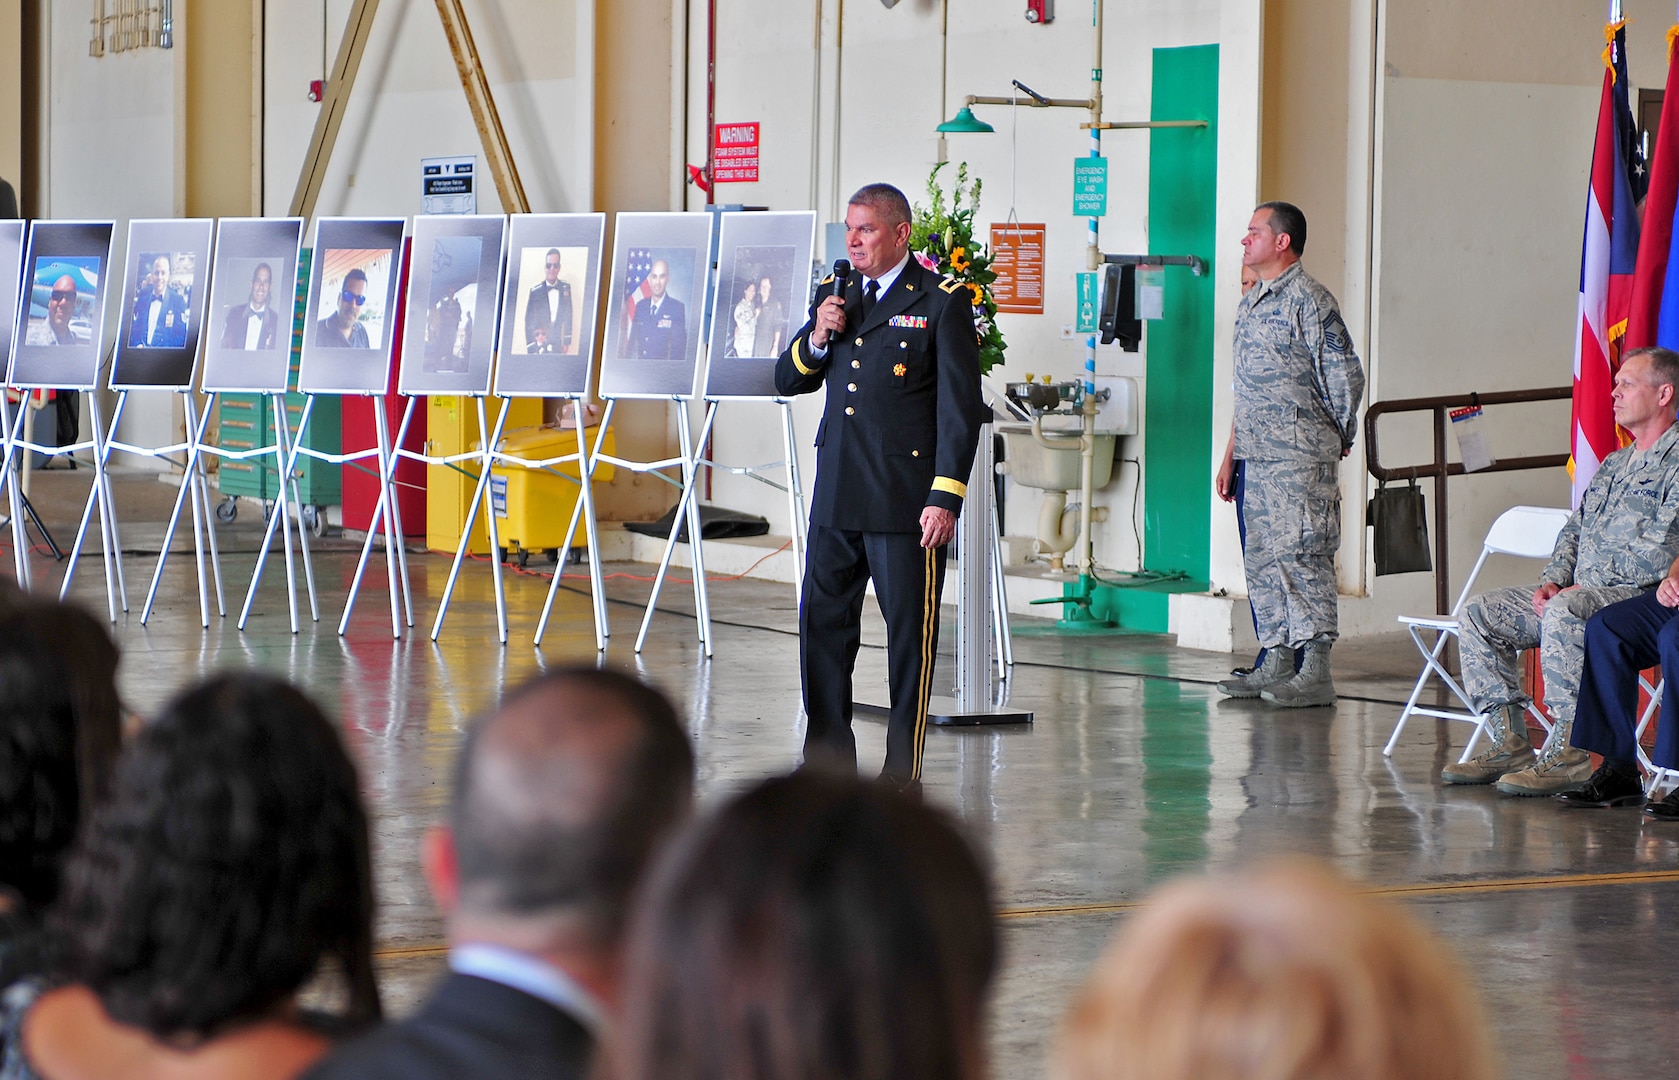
[{"x": 1017, "y": 255}]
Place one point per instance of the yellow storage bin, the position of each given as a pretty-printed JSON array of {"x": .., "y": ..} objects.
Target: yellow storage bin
[
  {"x": 533, "y": 506},
  {"x": 452, "y": 428}
]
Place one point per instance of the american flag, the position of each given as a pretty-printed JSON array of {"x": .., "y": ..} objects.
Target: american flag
[{"x": 635, "y": 282}]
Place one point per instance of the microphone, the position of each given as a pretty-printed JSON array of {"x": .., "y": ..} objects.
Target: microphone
[{"x": 842, "y": 271}]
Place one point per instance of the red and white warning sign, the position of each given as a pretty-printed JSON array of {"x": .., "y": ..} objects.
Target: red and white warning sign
[{"x": 735, "y": 159}]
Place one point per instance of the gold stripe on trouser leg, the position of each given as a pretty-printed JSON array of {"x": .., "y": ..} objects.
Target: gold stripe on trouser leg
[{"x": 924, "y": 688}]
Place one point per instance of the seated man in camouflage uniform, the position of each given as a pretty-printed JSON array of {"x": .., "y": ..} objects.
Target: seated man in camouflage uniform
[{"x": 1617, "y": 544}]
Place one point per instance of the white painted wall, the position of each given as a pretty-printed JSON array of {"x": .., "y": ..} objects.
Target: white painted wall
[
  {"x": 1479, "y": 167},
  {"x": 772, "y": 58},
  {"x": 407, "y": 102},
  {"x": 110, "y": 153}
]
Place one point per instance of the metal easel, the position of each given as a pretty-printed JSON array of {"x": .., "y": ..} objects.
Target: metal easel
[
  {"x": 687, "y": 508},
  {"x": 196, "y": 486},
  {"x": 284, "y": 451}
]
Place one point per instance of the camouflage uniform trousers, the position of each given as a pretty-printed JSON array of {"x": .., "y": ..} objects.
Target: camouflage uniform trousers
[
  {"x": 1293, "y": 512},
  {"x": 1497, "y": 625}
]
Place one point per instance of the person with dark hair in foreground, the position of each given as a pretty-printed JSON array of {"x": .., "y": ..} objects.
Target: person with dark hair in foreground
[
  {"x": 229, "y": 862},
  {"x": 1278, "y": 973},
  {"x": 60, "y": 727},
  {"x": 816, "y": 926},
  {"x": 561, "y": 799}
]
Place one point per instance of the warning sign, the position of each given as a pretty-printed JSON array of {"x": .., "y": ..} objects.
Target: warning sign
[
  {"x": 1017, "y": 256},
  {"x": 735, "y": 159}
]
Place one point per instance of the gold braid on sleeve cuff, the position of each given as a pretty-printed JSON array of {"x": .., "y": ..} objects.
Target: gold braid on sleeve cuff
[
  {"x": 800, "y": 364},
  {"x": 953, "y": 487}
]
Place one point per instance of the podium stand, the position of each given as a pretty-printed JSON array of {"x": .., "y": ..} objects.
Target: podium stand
[{"x": 982, "y": 625}]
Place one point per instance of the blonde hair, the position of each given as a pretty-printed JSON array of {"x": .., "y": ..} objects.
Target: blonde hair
[{"x": 1278, "y": 973}]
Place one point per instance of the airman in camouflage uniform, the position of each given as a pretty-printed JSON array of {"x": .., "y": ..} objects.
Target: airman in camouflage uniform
[
  {"x": 1298, "y": 387},
  {"x": 1619, "y": 543}
]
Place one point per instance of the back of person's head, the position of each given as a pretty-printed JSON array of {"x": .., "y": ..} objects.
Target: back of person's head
[
  {"x": 60, "y": 727},
  {"x": 229, "y": 863},
  {"x": 1279, "y": 973},
  {"x": 815, "y": 926},
  {"x": 561, "y": 799}
]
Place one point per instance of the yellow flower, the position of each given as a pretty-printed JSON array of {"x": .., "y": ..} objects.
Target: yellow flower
[
  {"x": 959, "y": 259},
  {"x": 979, "y": 294}
]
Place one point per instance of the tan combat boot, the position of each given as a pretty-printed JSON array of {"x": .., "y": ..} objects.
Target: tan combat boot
[
  {"x": 1560, "y": 768},
  {"x": 1310, "y": 686},
  {"x": 1278, "y": 667},
  {"x": 1508, "y": 751}
]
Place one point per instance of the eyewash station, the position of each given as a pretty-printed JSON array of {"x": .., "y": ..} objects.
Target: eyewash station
[{"x": 1139, "y": 429}]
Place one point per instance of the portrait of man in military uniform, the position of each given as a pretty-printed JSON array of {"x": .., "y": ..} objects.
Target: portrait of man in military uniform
[{"x": 659, "y": 328}]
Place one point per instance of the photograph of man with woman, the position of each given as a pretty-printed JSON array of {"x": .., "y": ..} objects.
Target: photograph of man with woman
[{"x": 761, "y": 311}]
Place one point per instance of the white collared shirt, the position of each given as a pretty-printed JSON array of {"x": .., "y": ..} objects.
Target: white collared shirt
[
  {"x": 527, "y": 974},
  {"x": 887, "y": 278},
  {"x": 253, "y": 326}
]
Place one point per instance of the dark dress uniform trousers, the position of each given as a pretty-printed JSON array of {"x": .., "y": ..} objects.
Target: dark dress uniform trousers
[
  {"x": 1622, "y": 640},
  {"x": 898, "y": 434}
]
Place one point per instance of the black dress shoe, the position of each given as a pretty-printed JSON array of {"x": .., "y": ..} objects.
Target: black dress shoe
[
  {"x": 1664, "y": 809},
  {"x": 903, "y": 785},
  {"x": 1606, "y": 787}
]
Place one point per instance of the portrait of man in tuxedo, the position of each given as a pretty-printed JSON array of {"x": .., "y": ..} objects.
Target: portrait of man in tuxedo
[
  {"x": 159, "y": 318},
  {"x": 548, "y": 310},
  {"x": 253, "y": 324}
]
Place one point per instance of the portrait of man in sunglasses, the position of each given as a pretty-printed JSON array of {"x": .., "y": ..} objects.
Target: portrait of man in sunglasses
[
  {"x": 343, "y": 329},
  {"x": 56, "y": 329}
]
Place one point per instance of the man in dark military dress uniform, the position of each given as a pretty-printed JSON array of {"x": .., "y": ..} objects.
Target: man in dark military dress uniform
[
  {"x": 548, "y": 310},
  {"x": 660, "y": 329},
  {"x": 901, "y": 362}
]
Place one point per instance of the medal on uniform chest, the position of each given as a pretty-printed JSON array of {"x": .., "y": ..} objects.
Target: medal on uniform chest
[{"x": 899, "y": 370}]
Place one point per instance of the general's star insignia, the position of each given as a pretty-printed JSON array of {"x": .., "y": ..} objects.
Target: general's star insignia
[{"x": 899, "y": 370}]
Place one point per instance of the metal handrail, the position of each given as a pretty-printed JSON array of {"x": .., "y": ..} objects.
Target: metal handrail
[{"x": 1440, "y": 468}]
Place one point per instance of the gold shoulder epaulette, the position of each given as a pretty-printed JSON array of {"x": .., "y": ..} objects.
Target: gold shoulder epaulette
[{"x": 950, "y": 284}]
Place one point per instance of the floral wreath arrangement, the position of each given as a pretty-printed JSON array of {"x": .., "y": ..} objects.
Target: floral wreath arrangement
[{"x": 942, "y": 240}]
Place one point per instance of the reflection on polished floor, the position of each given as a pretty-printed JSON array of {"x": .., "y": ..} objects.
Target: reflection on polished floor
[{"x": 1134, "y": 770}]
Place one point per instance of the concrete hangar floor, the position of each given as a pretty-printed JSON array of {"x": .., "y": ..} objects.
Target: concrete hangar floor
[{"x": 1135, "y": 770}]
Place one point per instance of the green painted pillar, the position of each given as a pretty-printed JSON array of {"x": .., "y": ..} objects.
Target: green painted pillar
[{"x": 1178, "y": 396}]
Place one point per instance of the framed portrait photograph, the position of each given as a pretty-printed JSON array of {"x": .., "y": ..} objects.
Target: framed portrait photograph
[
  {"x": 11, "y": 280},
  {"x": 661, "y": 264},
  {"x": 763, "y": 291},
  {"x": 548, "y": 315},
  {"x": 166, "y": 281},
  {"x": 60, "y": 328},
  {"x": 353, "y": 280},
  {"x": 253, "y": 286},
  {"x": 454, "y": 283}
]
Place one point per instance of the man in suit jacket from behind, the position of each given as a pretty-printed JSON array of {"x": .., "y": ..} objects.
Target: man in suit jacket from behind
[{"x": 561, "y": 799}]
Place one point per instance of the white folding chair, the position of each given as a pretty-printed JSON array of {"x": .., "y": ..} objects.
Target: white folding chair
[
  {"x": 1654, "y": 778},
  {"x": 1528, "y": 532}
]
